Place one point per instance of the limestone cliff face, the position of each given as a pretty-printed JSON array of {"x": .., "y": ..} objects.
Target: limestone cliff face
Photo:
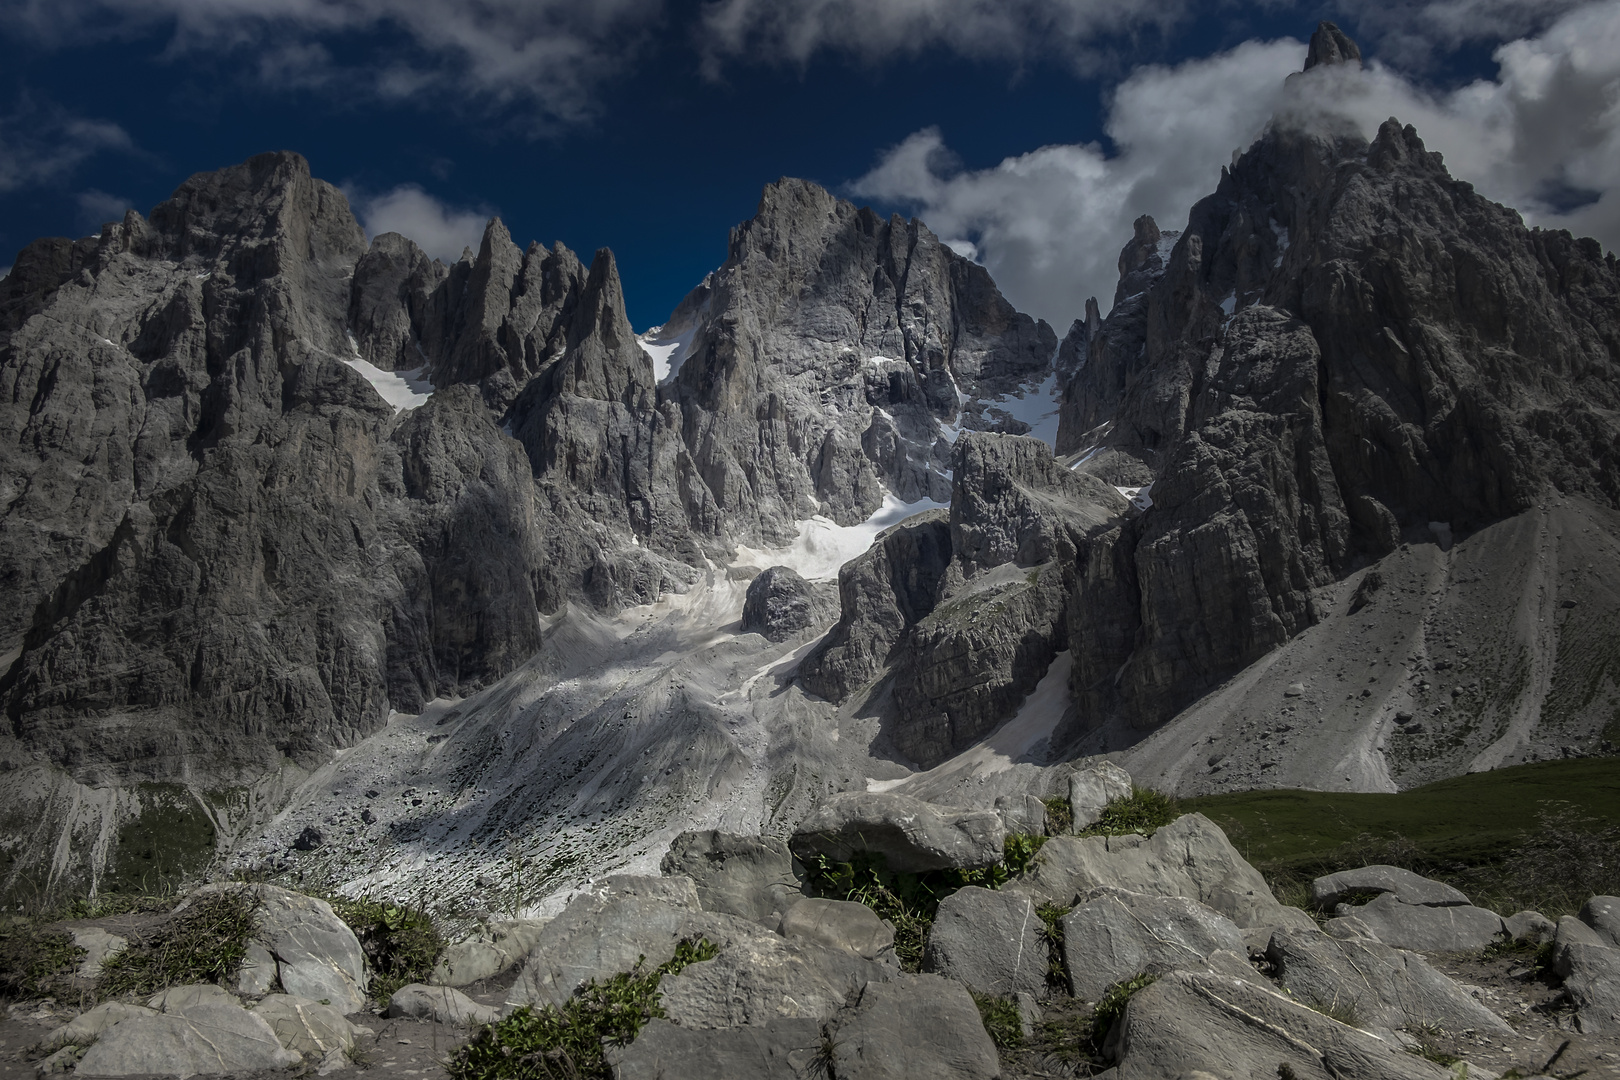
[{"x": 834, "y": 355}]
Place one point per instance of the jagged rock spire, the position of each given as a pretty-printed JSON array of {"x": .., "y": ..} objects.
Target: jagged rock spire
[{"x": 1330, "y": 45}]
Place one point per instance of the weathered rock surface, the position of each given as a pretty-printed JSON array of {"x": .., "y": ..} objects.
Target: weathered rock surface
[
  {"x": 441, "y": 1003},
  {"x": 1602, "y": 913},
  {"x": 989, "y": 941},
  {"x": 1114, "y": 934},
  {"x": 1093, "y": 788},
  {"x": 1591, "y": 975},
  {"x": 1428, "y": 929},
  {"x": 780, "y": 603},
  {"x": 87, "y": 1027},
  {"x": 494, "y": 949},
  {"x": 839, "y": 924},
  {"x": 306, "y": 1027},
  {"x": 317, "y": 955},
  {"x": 1190, "y": 857},
  {"x": 209, "y": 1038},
  {"x": 1384, "y": 986},
  {"x": 98, "y": 945},
  {"x": 917, "y": 1025},
  {"x": 779, "y": 1049},
  {"x": 1531, "y": 926},
  {"x": 1404, "y": 885},
  {"x": 750, "y": 876},
  {"x": 910, "y": 834},
  {"x": 1187, "y": 1023},
  {"x": 765, "y": 977}
]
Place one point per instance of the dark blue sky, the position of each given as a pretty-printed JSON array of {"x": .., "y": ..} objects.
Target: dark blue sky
[{"x": 665, "y": 165}]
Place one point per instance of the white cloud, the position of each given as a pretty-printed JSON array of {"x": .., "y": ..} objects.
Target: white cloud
[
  {"x": 97, "y": 207},
  {"x": 1543, "y": 136},
  {"x": 551, "y": 53},
  {"x": 439, "y": 230},
  {"x": 39, "y": 145},
  {"x": 1049, "y": 224},
  {"x": 795, "y": 30}
]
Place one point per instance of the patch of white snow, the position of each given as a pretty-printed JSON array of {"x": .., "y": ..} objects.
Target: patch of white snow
[
  {"x": 401, "y": 389},
  {"x": 1229, "y": 305},
  {"x": 823, "y": 546},
  {"x": 1138, "y": 496},
  {"x": 668, "y": 350},
  {"x": 1038, "y": 407}
]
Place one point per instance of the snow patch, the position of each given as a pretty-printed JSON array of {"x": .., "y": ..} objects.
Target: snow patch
[
  {"x": 823, "y": 545},
  {"x": 1038, "y": 407},
  {"x": 1229, "y": 305},
  {"x": 1138, "y": 496},
  {"x": 401, "y": 389},
  {"x": 667, "y": 349}
]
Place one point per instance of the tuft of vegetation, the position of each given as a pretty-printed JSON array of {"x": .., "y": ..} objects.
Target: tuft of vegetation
[
  {"x": 1426, "y": 1047},
  {"x": 1001, "y": 1020},
  {"x": 1342, "y": 1011},
  {"x": 35, "y": 964},
  {"x": 400, "y": 941},
  {"x": 204, "y": 943},
  {"x": 567, "y": 1043},
  {"x": 1059, "y": 815},
  {"x": 1112, "y": 1006},
  {"x": 1019, "y": 849},
  {"x": 1144, "y": 811},
  {"x": 1057, "y": 972}
]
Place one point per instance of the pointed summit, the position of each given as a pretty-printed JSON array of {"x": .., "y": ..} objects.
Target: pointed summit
[{"x": 1330, "y": 45}]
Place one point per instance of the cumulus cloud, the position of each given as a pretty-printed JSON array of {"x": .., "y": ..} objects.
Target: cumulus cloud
[
  {"x": 439, "y": 230},
  {"x": 1049, "y": 224},
  {"x": 40, "y": 145},
  {"x": 1543, "y": 136},
  {"x": 795, "y": 30},
  {"x": 552, "y": 53}
]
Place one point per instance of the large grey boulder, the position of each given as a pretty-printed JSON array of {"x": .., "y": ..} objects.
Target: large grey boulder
[
  {"x": 1198, "y": 1024},
  {"x": 87, "y": 1027},
  {"x": 780, "y": 603},
  {"x": 493, "y": 949},
  {"x": 441, "y": 1003},
  {"x": 915, "y": 1026},
  {"x": 317, "y": 955},
  {"x": 783, "y": 1048},
  {"x": 1531, "y": 926},
  {"x": 607, "y": 929},
  {"x": 1591, "y": 975},
  {"x": 1190, "y": 857},
  {"x": 1602, "y": 913},
  {"x": 1022, "y": 813},
  {"x": 1115, "y": 934},
  {"x": 307, "y": 1027},
  {"x": 989, "y": 941},
  {"x": 1428, "y": 929},
  {"x": 1384, "y": 986},
  {"x": 751, "y": 876},
  {"x": 763, "y": 977},
  {"x": 912, "y": 835},
  {"x": 1407, "y": 887},
  {"x": 208, "y": 1038},
  {"x": 178, "y": 999},
  {"x": 1093, "y": 788},
  {"x": 839, "y": 924},
  {"x": 98, "y": 945}
]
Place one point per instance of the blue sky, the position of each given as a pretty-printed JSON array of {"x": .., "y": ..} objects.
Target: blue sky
[{"x": 649, "y": 126}]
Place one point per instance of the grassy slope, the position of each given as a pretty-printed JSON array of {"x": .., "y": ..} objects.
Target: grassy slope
[{"x": 1468, "y": 820}]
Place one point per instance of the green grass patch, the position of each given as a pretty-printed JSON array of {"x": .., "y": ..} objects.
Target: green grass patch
[
  {"x": 1144, "y": 811},
  {"x": 1112, "y": 1006},
  {"x": 1059, "y": 814},
  {"x": 1543, "y": 836},
  {"x": 1057, "y": 971},
  {"x": 567, "y": 1043},
  {"x": 400, "y": 941},
  {"x": 204, "y": 943},
  {"x": 1001, "y": 1020},
  {"x": 35, "y": 963}
]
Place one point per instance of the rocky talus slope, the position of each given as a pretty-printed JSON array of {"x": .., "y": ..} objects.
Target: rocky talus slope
[{"x": 1158, "y": 954}]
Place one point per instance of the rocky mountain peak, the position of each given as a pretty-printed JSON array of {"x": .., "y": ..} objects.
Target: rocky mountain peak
[{"x": 1330, "y": 45}]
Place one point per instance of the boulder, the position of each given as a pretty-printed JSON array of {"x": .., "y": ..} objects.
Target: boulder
[
  {"x": 916, "y": 1026},
  {"x": 751, "y": 876},
  {"x": 1531, "y": 926},
  {"x": 1190, "y": 857},
  {"x": 765, "y": 977},
  {"x": 440, "y": 1003},
  {"x": 1591, "y": 976},
  {"x": 1407, "y": 887},
  {"x": 780, "y": 603},
  {"x": 779, "y": 1049},
  {"x": 1202, "y": 1024},
  {"x": 1572, "y": 931},
  {"x": 1602, "y": 913},
  {"x": 207, "y": 1037},
  {"x": 308, "y": 1027},
  {"x": 839, "y": 924},
  {"x": 97, "y": 944},
  {"x": 608, "y": 929},
  {"x": 1024, "y": 814},
  {"x": 1091, "y": 789},
  {"x": 1383, "y": 986},
  {"x": 180, "y": 998},
  {"x": 912, "y": 835},
  {"x": 257, "y": 975},
  {"x": 991, "y": 942},
  {"x": 1115, "y": 934},
  {"x": 87, "y": 1027},
  {"x": 1428, "y": 929},
  {"x": 317, "y": 956},
  {"x": 495, "y": 948}
]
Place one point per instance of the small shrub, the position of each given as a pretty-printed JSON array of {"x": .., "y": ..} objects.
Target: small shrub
[
  {"x": 1059, "y": 814},
  {"x": 34, "y": 964},
  {"x": 204, "y": 943},
  {"x": 1019, "y": 850},
  {"x": 1426, "y": 1048},
  {"x": 1143, "y": 811},
  {"x": 1001, "y": 1020},
  {"x": 1112, "y": 1006},
  {"x": 400, "y": 941},
  {"x": 1057, "y": 972},
  {"x": 1342, "y": 1011},
  {"x": 567, "y": 1043}
]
